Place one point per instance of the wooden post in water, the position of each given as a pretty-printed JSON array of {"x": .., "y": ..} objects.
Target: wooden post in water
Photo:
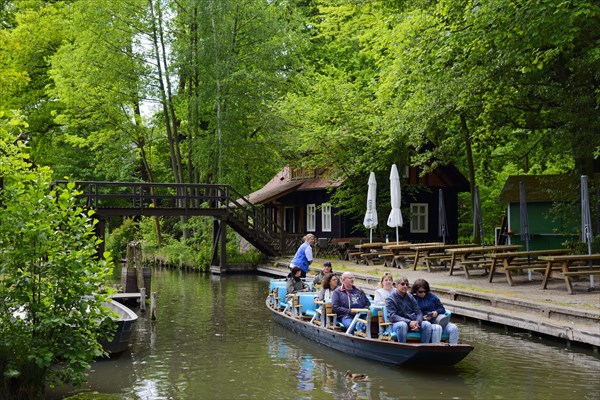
[
  {"x": 153, "y": 306},
  {"x": 139, "y": 272},
  {"x": 134, "y": 260},
  {"x": 143, "y": 299}
]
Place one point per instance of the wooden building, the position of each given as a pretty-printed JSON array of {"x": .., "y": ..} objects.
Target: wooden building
[
  {"x": 549, "y": 226},
  {"x": 299, "y": 201}
]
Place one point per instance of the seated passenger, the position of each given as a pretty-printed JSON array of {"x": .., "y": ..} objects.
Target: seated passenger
[
  {"x": 387, "y": 288},
  {"x": 330, "y": 283},
  {"x": 433, "y": 310},
  {"x": 403, "y": 311},
  {"x": 295, "y": 282},
  {"x": 327, "y": 269},
  {"x": 346, "y": 298}
]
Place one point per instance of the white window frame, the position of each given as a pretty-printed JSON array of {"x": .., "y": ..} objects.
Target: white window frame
[
  {"x": 417, "y": 211},
  {"x": 311, "y": 217},
  {"x": 326, "y": 217}
]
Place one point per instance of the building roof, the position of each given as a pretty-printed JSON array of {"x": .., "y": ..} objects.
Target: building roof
[
  {"x": 540, "y": 188},
  {"x": 444, "y": 176},
  {"x": 283, "y": 184}
]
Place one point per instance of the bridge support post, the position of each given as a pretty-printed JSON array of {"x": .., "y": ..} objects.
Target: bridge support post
[{"x": 218, "y": 262}]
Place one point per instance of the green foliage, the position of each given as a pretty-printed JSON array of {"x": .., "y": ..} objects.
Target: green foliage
[
  {"x": 493, "y": 87},
  {"x": 117, "y": 239},
  {"x": 195, "y": 252},
  {"x": 51, "y": 279}
]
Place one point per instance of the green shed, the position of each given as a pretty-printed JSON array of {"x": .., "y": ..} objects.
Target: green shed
[{"x": 552, "y": 209}]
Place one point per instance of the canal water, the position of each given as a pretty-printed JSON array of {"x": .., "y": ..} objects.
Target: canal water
[{"x": 214, "y": 338}]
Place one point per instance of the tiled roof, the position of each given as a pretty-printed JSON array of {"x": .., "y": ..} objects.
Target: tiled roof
[{"x": 281, "y": 185}]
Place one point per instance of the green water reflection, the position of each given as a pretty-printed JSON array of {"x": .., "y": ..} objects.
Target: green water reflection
[{"x": 214, "y": 339}]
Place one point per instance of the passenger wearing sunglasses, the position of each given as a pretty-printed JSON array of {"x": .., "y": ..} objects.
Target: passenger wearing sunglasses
[
  {"x": 433, "y": 310},
  {"x": 403, "y": 311}
]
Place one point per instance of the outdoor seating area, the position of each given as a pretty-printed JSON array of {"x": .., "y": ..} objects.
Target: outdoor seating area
[
  {"x": 511, "y": 255},
  {"x": 492, "y": 260}
]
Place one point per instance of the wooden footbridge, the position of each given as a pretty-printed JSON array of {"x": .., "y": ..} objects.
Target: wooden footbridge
[{"x": 221, "y": 202}]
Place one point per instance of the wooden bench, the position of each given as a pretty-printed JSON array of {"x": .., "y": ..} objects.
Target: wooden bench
[
  {"x": 481, "y": 263},
  {"x": 388, "y": 259},
  {"x": 568, "y": 275},
  {"x": 520, "y": 266},
  {"x": 582, "y": 272},
  {"x": 355, "y": 256},
  {"x": 400, "y": 259},
  {"x": 436, "y": 260},
  {"x": 369, "y": 258}
]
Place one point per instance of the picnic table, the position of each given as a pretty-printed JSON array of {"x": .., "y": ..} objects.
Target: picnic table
[
  {"x": 371, "y": 251},
  {"x": 519, "y": 260},
  {"x": 434, "y": 254},
  {"x": 477, "y": 256},
  {"x": 400, "y": 252},
  {"x": 571, "y": 265}
]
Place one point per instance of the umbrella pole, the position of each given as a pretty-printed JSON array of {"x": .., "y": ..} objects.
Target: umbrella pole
[
  {"x": 528, "y": 260},
  {"x": 371, "y": 235},
  {"x": 397, "y": 235},
  {"x": 590, "y": 252}
]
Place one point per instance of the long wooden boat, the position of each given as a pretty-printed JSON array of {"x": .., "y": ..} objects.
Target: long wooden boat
[{"x": 386, "y": 351}]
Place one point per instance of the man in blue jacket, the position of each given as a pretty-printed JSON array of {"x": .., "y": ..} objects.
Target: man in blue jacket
[
  {"x": 346, "y": 298},
  {"x": 404, "y": 312}
]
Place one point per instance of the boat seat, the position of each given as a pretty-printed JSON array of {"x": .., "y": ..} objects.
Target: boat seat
[
  {"x": 361, "y": 324},
  {"x": 305, "y": 308},
  {"x": 282, "y": 296},
  {"x": 276, "y": 283},
  {"x": 325, "y": 316},
  {"x": 273, "y": 295}
]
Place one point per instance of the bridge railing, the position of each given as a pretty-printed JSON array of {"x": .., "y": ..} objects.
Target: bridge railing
[
  {"x": 187, "y": 196},
  {"x": 256, "y": 217}
]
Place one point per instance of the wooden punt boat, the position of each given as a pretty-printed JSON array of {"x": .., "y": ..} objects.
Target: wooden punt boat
[{"x": 385, "y": 351}]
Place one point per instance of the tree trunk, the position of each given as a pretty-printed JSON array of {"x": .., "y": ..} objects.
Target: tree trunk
[
  {"x": 218, "y": 92},
  {"x": 471, "y": 166}
]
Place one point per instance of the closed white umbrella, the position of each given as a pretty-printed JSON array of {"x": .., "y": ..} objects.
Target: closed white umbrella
[
  {"x": 370, "y": 221},
  {"x": 442, "y": 223},
  {"x": 395, "y": 218},
  {"x": 586, "y": 219}
]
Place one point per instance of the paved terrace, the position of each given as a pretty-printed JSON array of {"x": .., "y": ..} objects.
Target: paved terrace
[{"x": 525, "y": 306}]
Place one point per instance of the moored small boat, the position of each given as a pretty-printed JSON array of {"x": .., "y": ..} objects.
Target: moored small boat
[
  {"x": 315, "y": 326},
  {"x": 125, "y": 320}
]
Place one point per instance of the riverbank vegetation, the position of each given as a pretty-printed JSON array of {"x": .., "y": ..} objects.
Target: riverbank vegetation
[
  {"x": 223, "y": 91},
  {"x": 51, "y": 278}
]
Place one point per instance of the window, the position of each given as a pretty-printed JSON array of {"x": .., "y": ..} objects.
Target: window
[
  {"x": 311, "y": 217},
  {"x": 326, "y": 217},
  {"x": 419, "y": 215}
]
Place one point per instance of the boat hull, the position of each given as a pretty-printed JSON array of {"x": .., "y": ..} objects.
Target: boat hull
[
  {"x": 374, "y": 349},
  {"x": 125, "y": 326}
]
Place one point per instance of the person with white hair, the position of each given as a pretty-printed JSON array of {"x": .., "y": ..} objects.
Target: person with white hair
[{"x": 347, "y": 298}]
